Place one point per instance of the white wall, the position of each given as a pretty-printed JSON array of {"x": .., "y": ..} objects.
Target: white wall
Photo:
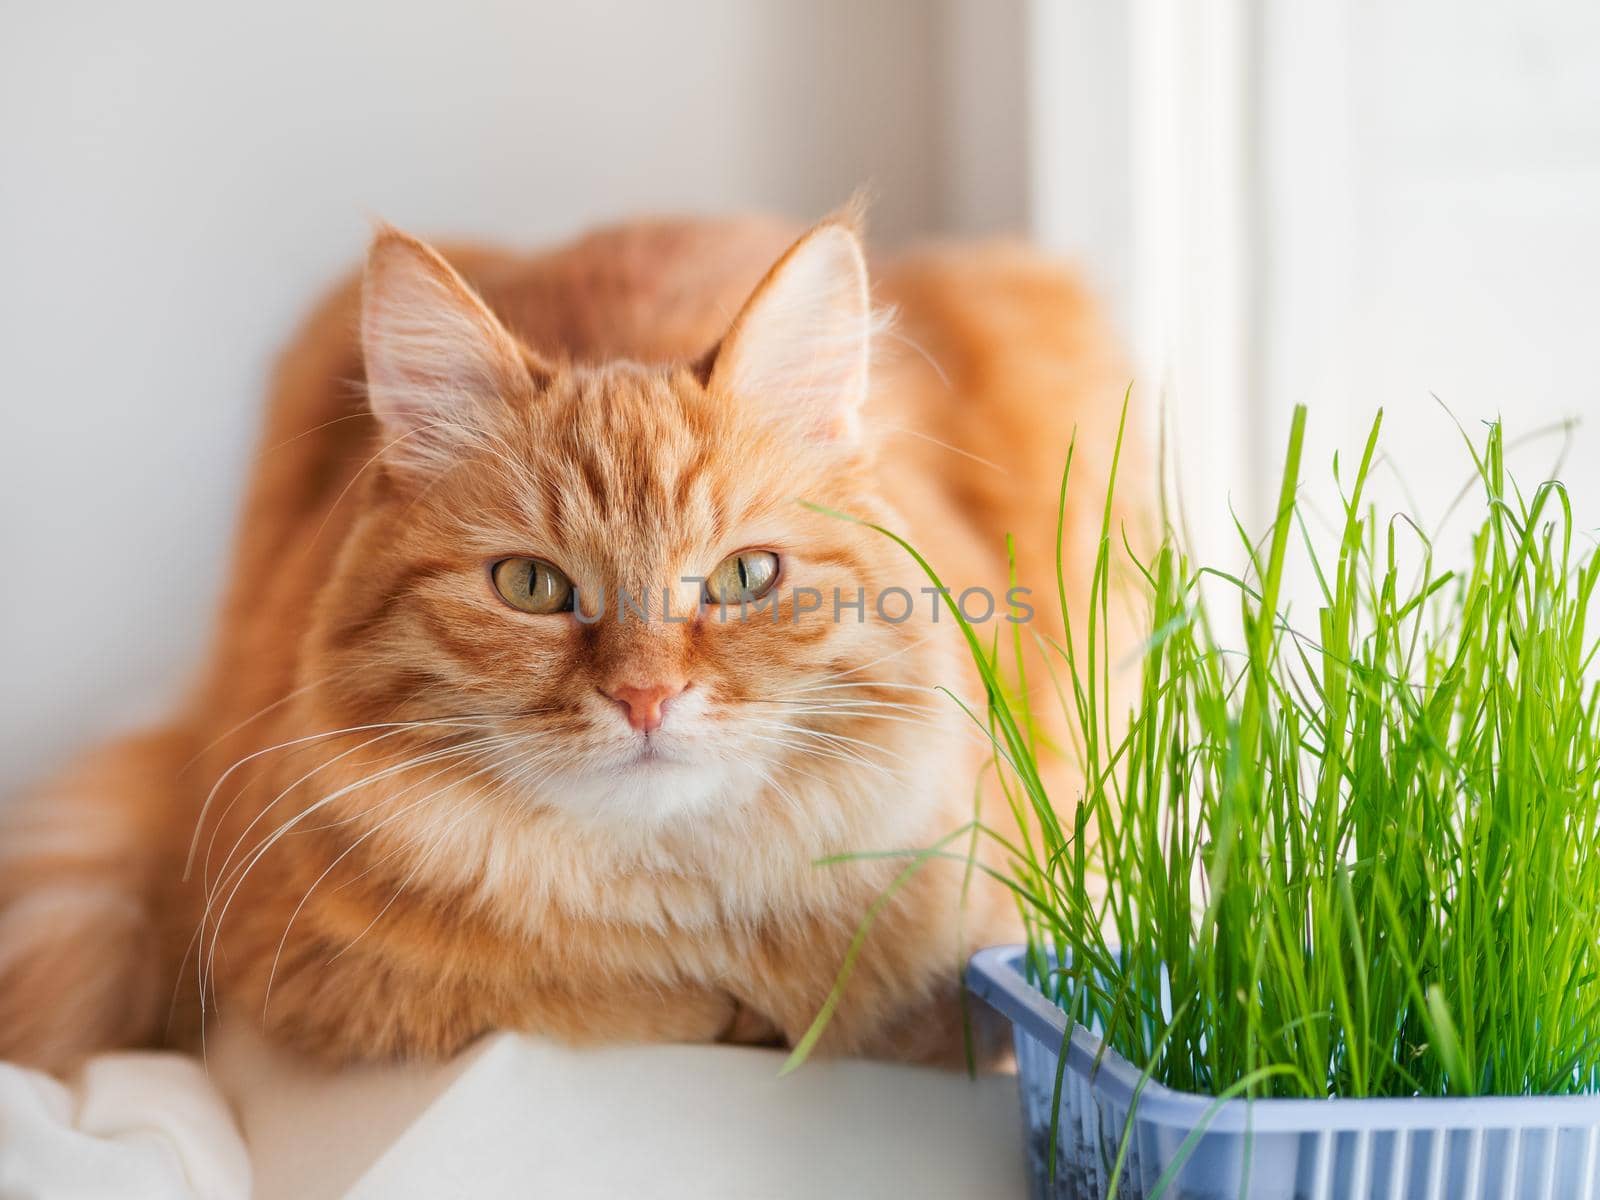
[
  {"x": 1432, "y": 186},
  {"x": 1343, "y": 204},
  {"x": 177, "y": 179}
]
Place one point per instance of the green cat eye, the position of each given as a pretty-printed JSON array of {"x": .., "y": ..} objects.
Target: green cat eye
[
  {"x": 747, "y": 575},
  {"x": 532, "y": 585}
]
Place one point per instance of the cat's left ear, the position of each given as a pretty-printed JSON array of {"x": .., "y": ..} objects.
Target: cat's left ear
[
  {"x": 436, "y": 358},
  {"x": 802, "y": 343}
]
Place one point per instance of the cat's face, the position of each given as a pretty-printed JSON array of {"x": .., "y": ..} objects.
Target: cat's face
[{"x": 551, "y": 560}]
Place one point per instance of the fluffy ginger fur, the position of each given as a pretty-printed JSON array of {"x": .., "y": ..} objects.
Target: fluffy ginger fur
[{"x": 399, "y": 813}]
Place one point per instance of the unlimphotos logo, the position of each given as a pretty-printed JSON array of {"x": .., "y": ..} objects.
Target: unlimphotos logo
[{"x": 892, "y": 605}]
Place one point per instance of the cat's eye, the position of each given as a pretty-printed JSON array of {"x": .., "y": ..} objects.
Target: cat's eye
[
  {"x": 747, "y": 575},
  {"x": 532, "y": 585}
]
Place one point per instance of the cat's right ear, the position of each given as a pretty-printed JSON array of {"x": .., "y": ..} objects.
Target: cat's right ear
[
  {"x": 800, "y": 347},
  {"x": 437, "y": 360}
]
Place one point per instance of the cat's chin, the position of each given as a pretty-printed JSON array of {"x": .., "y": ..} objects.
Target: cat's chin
[{"x": 650, "y": 788}]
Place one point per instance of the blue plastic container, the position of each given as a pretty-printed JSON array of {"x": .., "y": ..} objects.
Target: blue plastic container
[{"x": 1500, "y": 1148}]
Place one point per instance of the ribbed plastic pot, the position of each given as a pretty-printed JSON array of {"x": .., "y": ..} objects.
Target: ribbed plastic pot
[{"x": 1492, "y": 1148}]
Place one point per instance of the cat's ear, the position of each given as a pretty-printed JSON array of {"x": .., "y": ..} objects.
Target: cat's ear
[
  {"x": 802, "y": 343},
  {"x": 437, "y": 360}
]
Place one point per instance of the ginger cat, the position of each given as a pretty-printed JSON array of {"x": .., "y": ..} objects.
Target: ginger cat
[{"x": 437, "y": 780}]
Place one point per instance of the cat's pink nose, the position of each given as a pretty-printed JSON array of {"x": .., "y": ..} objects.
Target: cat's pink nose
[{"x": 647, "y": 705}]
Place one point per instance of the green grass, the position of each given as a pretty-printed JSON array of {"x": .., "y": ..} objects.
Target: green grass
[{"x": 1355, "y": 856}]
